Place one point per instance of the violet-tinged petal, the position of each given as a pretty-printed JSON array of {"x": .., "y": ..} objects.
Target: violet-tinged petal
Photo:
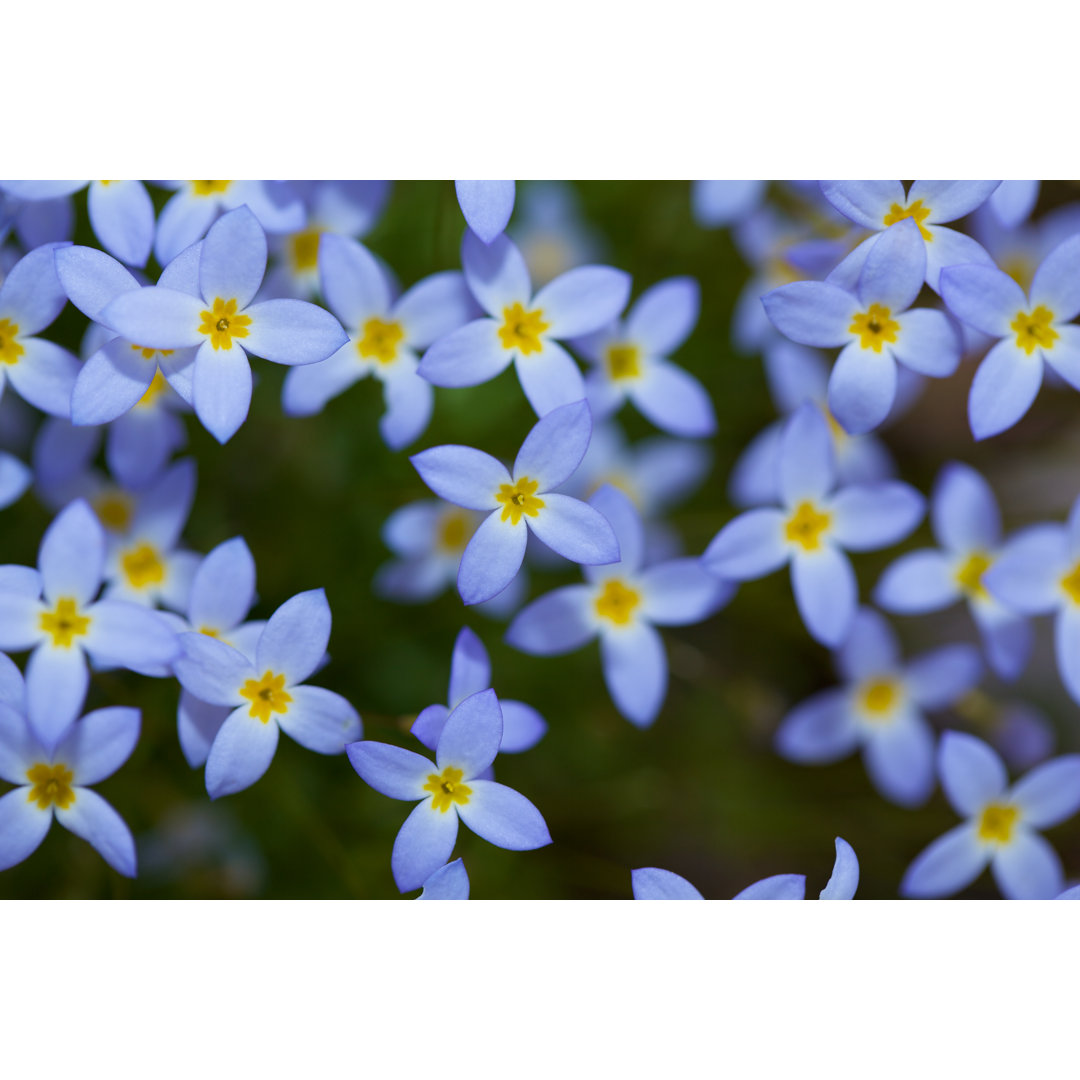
[
  {"x": 918, "y": 582},
  {"x": 550, "y": 379},
  {"x": 156, "y": 317},
  {"x": 434, "y": 307},
  {"x": 223, "y": 589},
  {"x": 621, "y": 514},
  {"x": 1050, "y": 793},
  {"x": 56, "y": 684},
  {"x": 1027, "y": 573},
  {"x": 222, "y": 390},
  {"x": 423, "y": 844},
  {"x": 964, "y": 514},
  {"x": 197, "y": 726},
  {"x": 122, "y": 215},
  {"x": 651, "y": 883},
  {"x": 635, "y": 671},
  {"x": 555, "y": 445},
  {"x": 812, "y": 313},
  {"x": 778, "y": 887},
  {"x": 450, "y": 882},
  {"x": 807, "y": 467},
  {"x": 820, "y": 729},
  {"x": 110, "y": 383},
  {"x": 556, "y": 623},
  {"x": 1056, "y": 284},
  {"x": 22, "y": 827},
  {"x": 211, "y": 670},
  {"x": 95, "y": 821},
  {"x": 894, "y": 269},
  {"x": 292, "y": 332},
  {"x": 45, "y": 376},
  {"x": 583, "y": 299},
  {"x": 664, "y": 315},
  {"x": 390, "y": 770},
  {"x": 468, "y": 356},
  {"x": 241, "y": 753},
  {"x": 353, "y": 282},
  {"x": 927, "y": 343},
  {"x": 486, "y": 205},
  {"x": 951, "y": 863},
  {"x": 862, "y": 388},
  {"x": 972, "y": 774},
  {"x": 899, "y": 760},
  {"x": 948, "y": 200},
  {"x": 871, "y": 516},
  {"x": 99, "y": 743},
  {"x": 1028, "y": 868},
  {"x": 866, "y": 202},
  {"x": 748, "y": 547},
  {"x": 674, "y": 401},
  {"x": 471, "y": 736},
  {"x": 937, "y": 679},
  {"x": 523, "y": 727},
  {"x": 470, "y": 667},
  {"x": 869, "y": 648},
  {"x": 320, "y": 720},
  {"x": 575, "y": 531},
  {"x": 31, "y": 295},
  {"x": 495, "y": 273},
  {"x": 1067, "y": 648},
  {"x": 825, "y": 593},
  {"x": 462, "y": 475},
  {"x": 681, "y": 591},
  {"x": 72, "y": 555},
  {"x": 491, "y": 559},
  {"x": 845, "y": 876},
  {"x": 503, "y": 817},
  {"x": 1004, "y": 388},
  {"x": 233, "y": 258},
  {"x": 295, "y": 639},
  {"x": 951, "y": 248},
  {"x": 91, "y": 279}
]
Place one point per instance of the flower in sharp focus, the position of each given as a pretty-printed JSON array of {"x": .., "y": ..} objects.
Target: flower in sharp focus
[
  {"x": 814, "y": 527},
  {"x": 1000, "y": 830},
  {"x": 449, "y": 882},
  {"x": 448, "y": 790},
  {"x": 520, "y": 503},
  {"x": 486, "y": 205}
]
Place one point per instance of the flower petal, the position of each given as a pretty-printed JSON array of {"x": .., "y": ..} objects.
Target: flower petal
[
  {"x": 470, "y": 667},
  {"x": 818, "y": 730},
  {"x": 845, "y": 876},
  {"x": 895, "y": 268},
  {"x": 72, "y": 555},
  {"x": 91, "y": 279},
  {"x": 556, "y": 623},
  {"x": 1028, "y": 868},
  {"x": 1050, "y": 793},
  {"x": 555, "y": 445},
  {"x": 575, "y": 531},
  {"x": 862, "y": 388},
  {"x": 964, "y": 514},
  {"x": 241, "y": 753},
  {"x": 503, "y": 817},
  {"x": 812, "y": 313},
  {"x": 211, "y": 670},
  {"x": 470, "y": 739},
  {"x": 462, "y": 475},
  {"x": 972, "y": 774},
  {"x": 951, "y": 199},
  {"x": 423, "y": 844},
  {"x": 22, "y": 827},
  {"x": 937, "y": 679},
  {"x": 1067, "y": 649},
  {"x": 951, "y": 248},
  {"x": 222, "y": 390},
  {"x": 1026, "y": 575},
  {"x": 664, "y": 315},
  {"x": 748, "y": 547},
  {"x": 621, "y": 514},
  {"x": 807, "y": 467},
  {"x": 320, "y": 720},
  {"x": 56, "y": 684},
  {"x": 468, "y": 356},
  {"x": 1056, "y": 284},
  {"x": 674, "y": 401},
  {"x": 450, "y": 882},
  {"x": 93, "y": 819},
  {"x": 899, "y": 760},
  {"x": 99, "y": 743},
  {"x": 233, "y": 258},
  {"x": 778, "y": 887},
  {"x": 486, "y": 205},
  {"x": 197, "y": 726},
  {"x": 434, "y": 307},
  {"x": 866, "y": 202},
  {"x": 293, "y": 332},
  {"x": 390, "y": 770},
  {"x": 825, "y": 593},
  {"x": 682, "y": 591},
  {"x": 928, "y": 343},
  {"x": 156, "y": 317},
  {"x": 496, "y": 273},
  {"x": 1004, "y": 388},
  {"x": 583, "y": 299},
  {"x": 550, "y": 379},
  {"x": 295, "y": 639},
  {"x": 951, "y": 863},
  {"x": 45, "y": 376},
  {"x": 31, "y": 294},
  {"x": 918, "y": 582},
  {"x": 869, "y": 649},
  {"x": 870, "y": 516},
  {"x": 651, "y": 883},
  {"x": 122, "y": 215},
  {"x": 223, "y": 589},
  {"x": 523, "y": 727},
  {"x": 491, "y": 559},
  {"x": 635, "y": 671}
]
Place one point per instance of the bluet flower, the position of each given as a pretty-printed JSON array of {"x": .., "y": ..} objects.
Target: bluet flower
[
  {"x": 450, "y": 882},
  {"x": 486, "y": 205}
]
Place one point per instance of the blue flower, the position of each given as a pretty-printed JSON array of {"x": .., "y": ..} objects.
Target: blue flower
[
  {"x": 15, "y": 478},
  {"x": 1030, "y": 330},
  {"x": 487, "y": 205},
  {"x": 622, "y": 604},
  {"x": 449, "y": 789},
  {"x": 1001, "y": 824},
  {"x": 966, "y": 522},
  {"x": 520, "y": 503},
  {"x": 449, "y": 882},
  {"x": 863, "y": 306},
  {"x": 813, "y": 528},
  {"x": 522, "y": 328},
  {"x": 880, "y": 709},
  {"x": 470, "y": 672}
]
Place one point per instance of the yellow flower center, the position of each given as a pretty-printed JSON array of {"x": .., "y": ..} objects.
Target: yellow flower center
[
  {"x": 874, "y": 327},
  {"x": 1020, "y": 268},
  {"x": 223, "y": 324},
  {"x": 64, "y": 623},
  {"x": 1071, "y": 584},
  {"x": 617, "y": 602},
  {"x": 916, "y": 210},
  {"x": 878, "y": 697},
  {"x": 447, "y": 789},
  {"x": 838, "y": 433},
  {"x": 51, "y": 784},
  {"x": 521, "y": 329},
  {"x": 150, "y": 354},
  {"x": 452, "y": 530},
  {"x": 209, "y": 187},
  {"x": 10, "y": 349},
  {"x": 304, "y": 247},
  {"x": 267, "y": 695},
  {"x": 142, "y": 566},
  {"x": 157, "y": 387},
  {"x": 623, "y": 361},
  {"x": 970, "y": 574},
  {"x": 519, "y": 498},
  {"x": 114, "y": 509},
  {"x": 997, "y": 822},
  {"x": 1034, "y": 330},
  {"x": 380, "y": 340},
  {"x": 806, "y": 525}
]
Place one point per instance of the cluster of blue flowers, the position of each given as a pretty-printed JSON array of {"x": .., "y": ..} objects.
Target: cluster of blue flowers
[{"x": 872, "y": 269}]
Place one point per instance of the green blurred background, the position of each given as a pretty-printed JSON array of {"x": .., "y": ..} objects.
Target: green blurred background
[{"x": 700, "y": 793}]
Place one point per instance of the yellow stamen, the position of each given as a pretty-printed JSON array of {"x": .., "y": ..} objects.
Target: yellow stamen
[
  {"x": 65, "y": 623},
  {"x": 806, "y": 525},
  {"x": 209, "y": 187},
  {"x": 617, "y": 602},
  {"x": 266, "y": 695},
  {"x": 970, "y": 574},
  {"x": 305, "y": 249},
  {"x": 1034, "y": 330},
  {"x": 518, "y": 499},
  {"x": 10, "y": 349},
  {"x": 149, "y": 354},
  {"x": 623, "y": 361},
  {"x": 447, "y": 789},
  {"x": 1071, "y": 584},
  {"x": 874, "y": 327},
  {"x": 453, "y": 528},
  {"x": 879, "y": 697},
  {"x": 916, "y": 210},
  {"x": 157, "y": 387},
  {"x": 223, "y": 324},
  {"x": 521, "y": 329},
  {"x": 114, "y": 509},
  {"x": 51, "y": 784},
  {"x": 380, "y": 340},
  {"x": 997, "y": 822},
  {"x": 143, "y": 566}
]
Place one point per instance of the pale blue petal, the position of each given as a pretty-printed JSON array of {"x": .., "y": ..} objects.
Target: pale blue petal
[
  {"x": 110, "y": 383},
  {"x": 1003, "y": 389},
  {"x": 807, "y": 468},
  {"x": 948, "y": 200},
  {"x": 674, "y": 401},
  {"x": 95, "y": 821},
  {"x": 635, "y": 671},
  {"x": 45, "y": 222},
  {"x": 866, "y": 202},
  {"x": 15, "y": 478},
  {"x": 130, "y": 635},
  {"x": 869, "y": 649},
  {"x": 72, "y": 555},
  {"x": 99, "y": 744},
  {"x": 1027, "y": 573},
  {"x": 320, "y": 720},
  {"x": 894, "y": 269},
  {"x": 183, "y": 220},
  {"x": 937, "y": 679},
  {"x": 918, "y": 582},
  {"x": 845, "y": 876},
  {"x": 928, "y": 343},
  {"x": 211, "y": 670},
  {"x": 390, "y": 770},
  {"x": 664, "y": 315},
  {"x": 1014, "y": 200},
  {"x": 434, "y": 307},
  {"x": 1028, "y": 868},
  {"x": 778, "y": 887},
  {"x": 523, "y": 727},
  {"x": 972, "y": 774},
  {"x": 753, "y": 478},
  {"x": 951, "y": 863},
  {"x": 1056, "y": 284},
  {"x": 31, "y": 295},
  {"x": 156, "y": 318},
  {"x": 1050, "y": 793},
  {"x": 35, "y": 190},
  {"x": 409, "y": 404},
  {"x": 812, "y": 313},
  {"x": 309, "y": 387},
  {"x": 182, "y": 273},
  {"x": 496, "y": 273},
  {"x": 22, "y": 827},
  {"x": 423, "y": 844},
  {"x": 292, "y": 332},
  {"x": 471, "y": 736},
  {"x": 681, "y": 591},
  {"x": 429, "y": 724},
  {"x": 575, "y": 531},
  {"x": 20, "y": 614},
  {"x": 983, "y": 296},
  {"x": 556, "y": 623},
  {"x": 825, "y": 593},
  {"x": 470, "y": 667},
  {"x": 462, "y": 475},
  {"x": 197, "y": 726},
  {"x": 241, "y": 754},
  {"x": 486, "y": 205},
  {"x": 12, "y": 694},
  {"x": 223, "y": 589},
  {"x": 583, "y": 299},
  {"x": 91, "y": 279},
  {"x": 621, "y": 514},
  {"x": 1064, "y": 357},
  {"x": 222, "y": 390},
  {"x": 295, "y": 639},
  {"x": 122, "y": 216},
  {"x": 1007, "y": 639},
  {"x": 651, "y": 883},
  {"x": 45, "y": 376},
  {"x": 1067, "y": 648},
  {"x": 492, "y": 559},
  {"x": 555, "y": 445},
  {"x": 795, "y": 374},
  {"x": 964, "y": 514},
  {"x": 503, "y": 817},
  {"x": 870, "y": 516},
  {"x": 468, "y": 356},
  {"x": 899, "y": 760},
  {"x": 862, "y": 388},
  {"x": 819, "y": 730},
  {"x": 451, "y": 882},
  {"x": 56, "y": 684},
  {"x": 233, "y": 259},
  {"x": 951, "y": 248},
  {"x": 722, "y": 202},
  {"x": 749, "y": 547},
  {"x": 352, "y": 280}
]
